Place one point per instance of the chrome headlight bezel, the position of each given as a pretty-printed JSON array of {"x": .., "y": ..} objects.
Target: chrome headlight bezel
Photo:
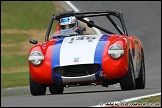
[
  {"x": 36, "y": 58},
  {"x": 115, "y": 51}
]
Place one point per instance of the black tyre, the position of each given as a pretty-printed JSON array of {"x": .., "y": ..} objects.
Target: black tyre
[
  {"x": 140, "y": 82},
  {"x": 54, "y": 89},
  {"x": 128, "y": 81},
  {"x": 37, "y": 89}
]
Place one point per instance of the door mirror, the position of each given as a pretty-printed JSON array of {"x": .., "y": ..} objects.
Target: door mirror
[{"x": 33, "y": 41}]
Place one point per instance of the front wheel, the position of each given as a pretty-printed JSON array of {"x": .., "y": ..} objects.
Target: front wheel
[
  {"x": 37, "y": 89},
  {"x": 55, "y": 89},
  {"x": 128, "y": 81}
]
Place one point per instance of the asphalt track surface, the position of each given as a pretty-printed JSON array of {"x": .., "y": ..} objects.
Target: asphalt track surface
[{"x": 142, "y": 18}]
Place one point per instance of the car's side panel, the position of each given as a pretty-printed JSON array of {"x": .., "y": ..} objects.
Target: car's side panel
[{"x": 136, "y": 54}]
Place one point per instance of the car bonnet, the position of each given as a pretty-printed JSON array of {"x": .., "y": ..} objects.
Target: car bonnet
[{"x": 86, "y": 49}]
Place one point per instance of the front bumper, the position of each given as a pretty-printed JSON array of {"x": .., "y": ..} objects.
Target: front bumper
[{"x": 70, "y": 80}]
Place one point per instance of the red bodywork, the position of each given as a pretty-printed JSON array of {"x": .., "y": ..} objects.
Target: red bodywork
[
  {"x": 113, "y": 68},
  {"x": 43, "y": 73}
]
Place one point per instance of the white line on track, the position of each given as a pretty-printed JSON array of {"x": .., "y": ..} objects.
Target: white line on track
[
  {"x": 126, "y": 100},
  {"x": 77, "y": 10}
]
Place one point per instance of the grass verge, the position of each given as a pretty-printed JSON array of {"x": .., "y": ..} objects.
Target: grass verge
[
  {"x": 152, "y": 101},
  {"x": 22, "y": 20},
  {"x": 14, "y": 79},
  {"x": 25, "y": 15}
]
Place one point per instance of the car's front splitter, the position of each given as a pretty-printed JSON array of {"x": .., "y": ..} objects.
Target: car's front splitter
[{"x": 98, "y": 76}]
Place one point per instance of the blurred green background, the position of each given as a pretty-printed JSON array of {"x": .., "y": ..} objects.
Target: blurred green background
[{"x": 20, "y": 21}]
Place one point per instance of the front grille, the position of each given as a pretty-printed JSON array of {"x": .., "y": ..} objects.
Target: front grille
[{"x": 77, "y": 70}]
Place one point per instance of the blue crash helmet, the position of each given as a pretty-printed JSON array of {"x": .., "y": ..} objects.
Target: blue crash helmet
[{"x": 68, "y": 23}]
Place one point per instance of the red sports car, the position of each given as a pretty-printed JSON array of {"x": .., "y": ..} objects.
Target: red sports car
[{"x": 67, "y": 59}]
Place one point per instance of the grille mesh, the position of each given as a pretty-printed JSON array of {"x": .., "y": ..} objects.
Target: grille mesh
[{"x": 77, "y": 70}]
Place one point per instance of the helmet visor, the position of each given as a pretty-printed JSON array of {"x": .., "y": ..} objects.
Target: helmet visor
[{"x": 69, "y": 26}]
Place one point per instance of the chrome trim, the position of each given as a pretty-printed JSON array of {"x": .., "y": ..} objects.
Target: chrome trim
[{"x": 86, "y": 78}]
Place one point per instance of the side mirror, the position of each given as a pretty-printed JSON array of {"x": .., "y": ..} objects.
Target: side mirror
[
  {"x": 33, "y": 41},
  {"x": 91, "y": 24}
]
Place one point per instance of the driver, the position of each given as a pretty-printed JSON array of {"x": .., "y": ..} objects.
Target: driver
[{"x": 70, "y": 23}]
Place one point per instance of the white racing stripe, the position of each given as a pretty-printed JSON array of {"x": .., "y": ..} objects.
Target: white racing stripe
[
  {"x": 77, "y": 10},
  {"x": 79, "y": 51},
  {"x": 125, "y": 100}
]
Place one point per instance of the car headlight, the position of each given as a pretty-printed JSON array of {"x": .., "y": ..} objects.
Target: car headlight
[
  {"x": 36, "y": 58},
  {"x": 115, "y": 51}
]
